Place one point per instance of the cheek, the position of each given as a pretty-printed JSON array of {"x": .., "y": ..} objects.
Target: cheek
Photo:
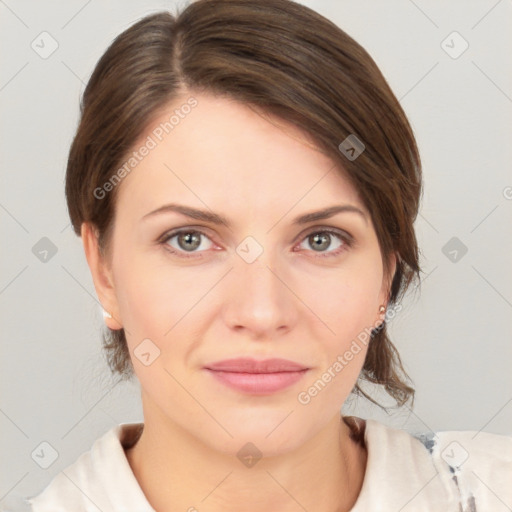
[
  {"x": 344, "y": 300},
  {"x": 347, "y": 305},
  {"x": 143, "y": 288},
  {"x": 165, "y": 305},
  {"x": 148, "y": 298}
]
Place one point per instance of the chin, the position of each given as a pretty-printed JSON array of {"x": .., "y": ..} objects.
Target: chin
[{"x": 273, "y": 432}]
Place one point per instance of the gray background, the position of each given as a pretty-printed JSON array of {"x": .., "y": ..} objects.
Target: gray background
[{"x": 454, "y": 337}]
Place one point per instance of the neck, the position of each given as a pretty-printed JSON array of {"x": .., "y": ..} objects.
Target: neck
[{"x": 178, "y": 472}]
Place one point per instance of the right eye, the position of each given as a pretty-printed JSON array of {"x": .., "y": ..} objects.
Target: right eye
[{"x": 185, "y": 239}]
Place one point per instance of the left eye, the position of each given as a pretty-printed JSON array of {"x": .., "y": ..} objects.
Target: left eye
[
  {"x": 189, "y": 240},
  {"x": 322, "y": 240}
]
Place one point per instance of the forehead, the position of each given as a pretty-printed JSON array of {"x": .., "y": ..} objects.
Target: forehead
[{"x": 226, "y": 156}]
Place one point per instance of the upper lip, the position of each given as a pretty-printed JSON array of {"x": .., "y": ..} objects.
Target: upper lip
[{"x": 248, "y": 365}]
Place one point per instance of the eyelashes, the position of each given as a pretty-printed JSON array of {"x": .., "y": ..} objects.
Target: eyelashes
[{"x": 318, "y": 236}]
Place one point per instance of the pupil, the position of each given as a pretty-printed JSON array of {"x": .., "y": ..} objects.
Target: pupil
[
  {"x": 323, "y": 240},
  {"x": 191, "y": 237}
]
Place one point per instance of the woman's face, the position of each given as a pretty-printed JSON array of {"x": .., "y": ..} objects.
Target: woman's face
[{"x": 264, "y": 286}]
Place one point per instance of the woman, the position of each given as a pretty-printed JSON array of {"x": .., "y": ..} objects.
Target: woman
[{"x": 245, "y": 185}]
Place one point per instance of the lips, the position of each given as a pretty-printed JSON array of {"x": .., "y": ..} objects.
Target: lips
[
  {"x": 247, "y": 365},
  {"x": 257, "y": 377}
]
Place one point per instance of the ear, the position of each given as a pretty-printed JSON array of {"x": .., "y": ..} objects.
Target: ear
[
  {"x": 101, "y": 275},
  {"x": 385, "y": 290}
]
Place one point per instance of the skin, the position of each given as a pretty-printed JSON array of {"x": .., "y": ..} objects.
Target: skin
[{"x": 290, "y": 302}]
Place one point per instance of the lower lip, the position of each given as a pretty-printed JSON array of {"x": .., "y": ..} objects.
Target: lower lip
[{"x": 258, "y": 383}]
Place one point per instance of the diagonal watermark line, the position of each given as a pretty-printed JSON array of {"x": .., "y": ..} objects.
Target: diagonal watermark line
[
  {"x": 10, "y": 490},
  {"x": 428, "y": 222},
  {"x": 14, "y": 76},
  {"x": 301, "y": 300},
  {"x": 192, "y": 307},
  {"x": 73, "y": 72},
  {"x": 420, "y": 419},
  {"x": 13, "y": 279},
  {"x": 407, "y": 503},
  {"x": 484, "y": 218},
  {"x": 301, "y": 198},
  {"x": 494, "y": 416},
  {"x": 420, "y": 80},
  {"x": 491, "y": 285},
  {"x": 65, "y": 227},
  {"x": 91, "y": 295},
  {"x": 17, "y": 426},
  {"x": 220, "y": 483},
  {"x": 421, "y": 280},
  {"x": 76, "y": 14},
  {"x": 2, "y": 2},
  {"x": 424, "y": 14},
  {"x": 430, "y": 273},
  {"x": 292, "y": 497},
  {"x": 115, "y": 420},
  {"x": 485, "y": 15},
  {"x": 491, "y": 490},
  {"x": 199, "y": 403},
  {"x": 81, "y": 286},
  {"x": 13, "y": 217},
  {"x": 91, "y": 408},
  {"x": 81, "y": 490},
  {"x": 191, "y": 190},
  {"x": 280, "y": 423},
  {"x": 492, "y": 81}
]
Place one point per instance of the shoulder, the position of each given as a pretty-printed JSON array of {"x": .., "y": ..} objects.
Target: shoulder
[
  {"x": 479, "y": 463},
  {"x": 466, "y": 471},
  {"x": 100, "y": 479}
]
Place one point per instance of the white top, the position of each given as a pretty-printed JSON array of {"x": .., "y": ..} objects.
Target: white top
[{"x": 451, "y": 471}]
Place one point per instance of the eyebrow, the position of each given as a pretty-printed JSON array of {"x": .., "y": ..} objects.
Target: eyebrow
[{"x": 215, "y": 218}]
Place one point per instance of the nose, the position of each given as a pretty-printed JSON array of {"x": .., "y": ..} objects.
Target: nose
[{"x": 260, "y": 299}]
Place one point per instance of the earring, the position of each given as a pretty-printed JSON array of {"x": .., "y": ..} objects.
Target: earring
[
  {"x": 106, "y": 314},
  {"x": 382, "y": 309}
]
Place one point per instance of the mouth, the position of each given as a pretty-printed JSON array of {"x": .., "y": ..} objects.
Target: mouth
[{"x": 257, "y": 377}]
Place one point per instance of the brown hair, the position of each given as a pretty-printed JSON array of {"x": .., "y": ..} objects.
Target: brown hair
[{"x": 288, "y": 61}]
